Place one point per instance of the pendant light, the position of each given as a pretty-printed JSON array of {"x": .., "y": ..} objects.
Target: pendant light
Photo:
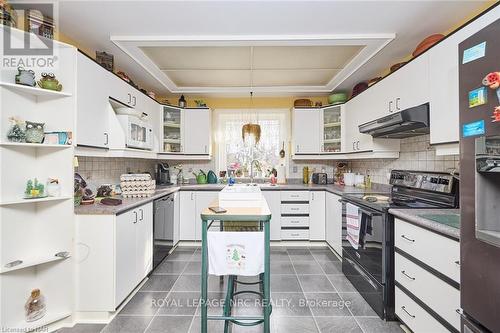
[{"x": 250, "y": 132}]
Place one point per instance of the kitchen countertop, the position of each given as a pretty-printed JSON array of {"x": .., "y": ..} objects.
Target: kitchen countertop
[
  {"x": 415, "y": 216},
  {"x": 99, "y": 209}
]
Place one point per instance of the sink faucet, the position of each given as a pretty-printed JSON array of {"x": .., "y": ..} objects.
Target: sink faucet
[{"x": 251, "y": 169}]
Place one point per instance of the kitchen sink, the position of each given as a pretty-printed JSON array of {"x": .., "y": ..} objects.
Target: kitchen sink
[{"x": 240, "y": 192}]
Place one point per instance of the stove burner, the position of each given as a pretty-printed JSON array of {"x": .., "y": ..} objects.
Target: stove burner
[{"x": 376, "y": 198}]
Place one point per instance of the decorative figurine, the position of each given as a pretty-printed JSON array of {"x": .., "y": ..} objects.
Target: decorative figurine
[
  {"x": 34, "y": 132},
  {"x": 16, "y": 132},
  {"x": 35, "y": 307},
  {"x": 49, "y": 82},
  {"x": 496, "y": 115},
  {"x": 25, "y": 77},
  {"x": 492, "y": 80},
  {"x": 34, "y": 189}
]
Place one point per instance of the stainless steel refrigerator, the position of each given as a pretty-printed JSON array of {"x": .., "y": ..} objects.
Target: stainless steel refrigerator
[{"x": 480, "y": 179}]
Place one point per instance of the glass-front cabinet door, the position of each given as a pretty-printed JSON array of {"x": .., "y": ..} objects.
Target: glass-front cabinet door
[
  {"x": 172, "y": 130},
  {"x": 332, "y": 129}
]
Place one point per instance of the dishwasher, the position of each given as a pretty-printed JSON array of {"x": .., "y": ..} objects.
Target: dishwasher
[{"x": 163, "y": 228}]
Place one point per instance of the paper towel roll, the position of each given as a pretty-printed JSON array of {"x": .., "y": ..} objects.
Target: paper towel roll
[{"x": 281, "y": 174}]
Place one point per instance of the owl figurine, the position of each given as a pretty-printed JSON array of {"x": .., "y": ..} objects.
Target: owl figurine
[{"x": 34, "y": 132}]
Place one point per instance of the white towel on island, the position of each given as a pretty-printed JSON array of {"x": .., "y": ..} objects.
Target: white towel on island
[
  {"x": 353, "y": 225},
  {"x": 235, "y": 253}
]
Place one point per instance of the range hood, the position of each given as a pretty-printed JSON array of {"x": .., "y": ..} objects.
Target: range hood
[{"x": 404, "y": 124}]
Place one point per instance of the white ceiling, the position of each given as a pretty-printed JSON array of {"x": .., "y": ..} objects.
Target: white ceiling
[{"x": 188, "y": 35}]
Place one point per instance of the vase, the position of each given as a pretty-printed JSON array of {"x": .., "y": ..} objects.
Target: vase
[{"x": 35, "y": 307}]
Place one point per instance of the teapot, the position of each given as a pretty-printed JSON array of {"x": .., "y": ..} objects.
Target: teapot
[
  {"x": 26, "y": 77},
  {"x": 49, "y": 82},
  {"x": 201, "y": 178}
]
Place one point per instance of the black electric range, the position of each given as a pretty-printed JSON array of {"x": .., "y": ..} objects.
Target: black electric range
[{"x": 370, "y": 267}]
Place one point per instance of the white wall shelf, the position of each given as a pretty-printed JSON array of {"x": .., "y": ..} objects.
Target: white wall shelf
[
  {"x": 33, "y": 145},
  {"x": 31, "y": 263},
  {"x": 34, "y": 90},
  {"x": 31, "y": 201}
]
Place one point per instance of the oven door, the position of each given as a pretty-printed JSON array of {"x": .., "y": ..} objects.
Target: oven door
[{"x": 370, "y": 254}]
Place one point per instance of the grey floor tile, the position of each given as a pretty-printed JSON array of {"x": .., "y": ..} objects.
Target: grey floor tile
[
  {"x": 282, "y": 267},
  {"x": 279, "y": 256},
  {"x": 126, "y": 324},
  {"x": 377, "y": 325},
  {"x": 285, "y": 283},
  {"x": 300, "y": 254},
  {"x": 247, "y": 305},
  {"x": 144, "y": 303},
  {"x": 307, "y": 267},
  {"x": 170, "y": 324},
  {"x": 341, "y": 283},
  {"x": 180, "y": 304},
  {"x": 215, "y": 304},
  {"x": 327, "y": 305},
  {"x": 193, "y": 283},
  {"x": 338, "y": 325},
  {"x": 358, "y": 305},
  {"x": 293, "y": 325},
  {"x": 193, "y": 267},
  {"x": 214, "y": 326},
  {"x": 324, "y": 255},
  {"x": 331, "y": 267},
  {"x": 315, "y": 283},
  {"x": 170, "y": 267},
  {"x": 159, "y": 283},
  {"x": 82, "y": 328},
  {"x": 253, "y": 287},
  {"x": 290, "y": 305},
  {"x": 251, "y": 329},
  {"x": 182, "y": 255}
]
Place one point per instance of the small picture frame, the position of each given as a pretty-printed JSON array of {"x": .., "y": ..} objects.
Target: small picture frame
[{"x": 58, "y": 138}]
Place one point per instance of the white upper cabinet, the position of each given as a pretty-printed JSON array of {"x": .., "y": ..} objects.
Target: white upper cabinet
[
  {"x": 357, "y": 110},
  {"x": 197, "y": 131},
  {"x": 331, "y": 129},
  {"x": 92, "y": 103},
  {"x": 306, "y": 131}
]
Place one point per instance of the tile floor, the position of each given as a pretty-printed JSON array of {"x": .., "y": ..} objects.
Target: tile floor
[{"x": 309, "y": 293}]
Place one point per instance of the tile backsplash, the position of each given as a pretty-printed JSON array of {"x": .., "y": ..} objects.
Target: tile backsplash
[{"x": 416, "y": 154}]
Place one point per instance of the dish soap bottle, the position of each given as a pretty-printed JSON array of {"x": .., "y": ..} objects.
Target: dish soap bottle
[
  {"x": 368, "y": 180},
  {"x": 35, "y": 307}
]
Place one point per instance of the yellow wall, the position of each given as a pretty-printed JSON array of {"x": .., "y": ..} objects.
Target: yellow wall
[{"x": 244, "y": 102}]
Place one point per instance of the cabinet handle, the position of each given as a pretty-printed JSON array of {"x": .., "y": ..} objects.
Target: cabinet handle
[
  {"x": 106, "y": 136},
  {"x": 312, "y": 194},
  {"x": 397, "y": 103},
  {"x": 295, "y": 235},
  {"x": 192, "y": 196},
  {"x": 390, "y": 106},
  {"x": 322, "y": 147},
  {"x": 409, "y": 314},
  {"x": 135, "y": 217},
  {"x": 357, "y": 145},
  {"x": 129, "y": 98},
  {"x": 142, "y": 215},
  {"x": 135, "y": 100},
  {"x": 408, "y": 239},
  {"x": 354, "y": 145},
  {"x": 293, "y": 208},
  {"x": 180, "y": 149},
  {"x": 295, "y": 221},
  {"x": 457, "y": 262},
  {"x": 206, "y": 149},
  {"x": 297, "y": 148},
  {"x": 409, "y": 277}
]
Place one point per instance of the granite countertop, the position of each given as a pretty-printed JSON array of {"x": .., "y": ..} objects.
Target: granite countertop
[
  {"x": 422, "y": 217},
  {"x": 99, "y": 209}
]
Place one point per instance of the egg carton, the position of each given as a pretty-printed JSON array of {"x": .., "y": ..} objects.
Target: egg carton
[
  {"x": 135, "y": 177},
  {"x": 140, "y": 183},
  {"x": 137, "y": 195}
]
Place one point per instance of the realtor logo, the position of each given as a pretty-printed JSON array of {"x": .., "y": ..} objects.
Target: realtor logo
[{"x": 34, "y": 50}]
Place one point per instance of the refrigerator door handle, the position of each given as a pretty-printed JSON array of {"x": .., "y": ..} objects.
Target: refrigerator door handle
[{"x": 408, "y": 239}]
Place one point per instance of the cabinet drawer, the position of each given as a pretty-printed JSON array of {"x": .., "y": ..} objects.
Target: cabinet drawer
[
  {"x": 437, "y": 294},
  {"x": 414, "y": 316},
  {"x": 295, "y": 208},
  {"x": 294, "y": 234},
  {"x": 439, "y": 252},
  {"x": 294, "y": 195},
  {"x": 295, "y": 221}
]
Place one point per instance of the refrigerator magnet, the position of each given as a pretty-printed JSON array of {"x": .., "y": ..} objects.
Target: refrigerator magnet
[
  {"x": 492, "y": 80},
  {"x": 474, "y": 128},
  {"x": 496, "y": 115},
  {"x": 478, "y": 97},
  {"x": 474, "y": 53}
]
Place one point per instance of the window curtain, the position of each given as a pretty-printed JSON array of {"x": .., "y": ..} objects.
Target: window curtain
[{"x": 230, "y": 149}]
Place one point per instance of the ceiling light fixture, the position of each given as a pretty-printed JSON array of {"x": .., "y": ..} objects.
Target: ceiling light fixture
[{"x": 250, "y": 132}]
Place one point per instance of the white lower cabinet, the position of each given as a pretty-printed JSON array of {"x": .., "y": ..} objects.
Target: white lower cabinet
[
  {"x": 426, "y": 269},
  {"x": 333, "y": 222},
  {"x": 317, "y": 215},
  {"x": 203, "y": 199},
  {"x": 274, "y": 203},
  {"x": 187, "y": 210},
  {"x": 414, "y": 316},
  {"x": 116, "y": 254}
]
